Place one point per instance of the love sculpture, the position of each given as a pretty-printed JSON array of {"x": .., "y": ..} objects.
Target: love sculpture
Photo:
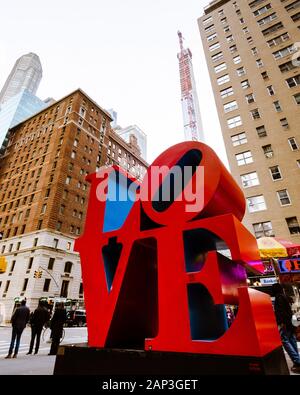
[{"x": 157, "y": 276}]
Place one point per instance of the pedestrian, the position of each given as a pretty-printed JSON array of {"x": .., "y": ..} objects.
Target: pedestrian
[
  {"x": 39, "y": 318},
  {"x": 19, "y": 320},
  {"x": 56, "y": 326},
  {"x": 283, "y": 313}
]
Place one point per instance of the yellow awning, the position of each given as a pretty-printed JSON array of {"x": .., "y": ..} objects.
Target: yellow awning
[{"x": 270, "y": 248}]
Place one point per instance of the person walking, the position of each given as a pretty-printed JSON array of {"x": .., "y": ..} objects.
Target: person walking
[
  {"x": 56, "y": 326},
  {"x": 19, "y": 320},
  {"x": 38, "y": 319},
  {"x": 283, "y": 313}
]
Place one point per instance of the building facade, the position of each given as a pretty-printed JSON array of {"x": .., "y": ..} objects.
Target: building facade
[
  {"x": 251, "y": 51},
  {"x": 44, "y": 194},
  {"x": 26, "y": 74},
  {"x": 126, "y": 155},
  {"x": 17, "y": 109},
  {"x": 137, "y": 132}
]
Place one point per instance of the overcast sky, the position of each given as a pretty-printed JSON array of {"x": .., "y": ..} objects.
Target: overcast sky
[{"x": 122, "y": 53}]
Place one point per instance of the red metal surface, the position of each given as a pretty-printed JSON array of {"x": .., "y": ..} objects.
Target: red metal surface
[{"x": 147, "y": 305}]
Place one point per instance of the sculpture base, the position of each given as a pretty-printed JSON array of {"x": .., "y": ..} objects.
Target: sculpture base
[{"x": 80, "y": 359}]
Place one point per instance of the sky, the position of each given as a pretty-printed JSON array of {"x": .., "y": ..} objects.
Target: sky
[{"x": 122, "y": 53}]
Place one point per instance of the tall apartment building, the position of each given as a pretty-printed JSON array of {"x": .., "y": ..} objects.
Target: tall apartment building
[
  {"x": 44, "y": 195},
  {"x": 26, "y": 74},
  {"x": 251, "y": 57}
]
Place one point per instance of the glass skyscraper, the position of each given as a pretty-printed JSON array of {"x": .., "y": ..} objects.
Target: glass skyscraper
[
  {"x": 26, "y": 74},
  {"x": 15, "y": 110}
]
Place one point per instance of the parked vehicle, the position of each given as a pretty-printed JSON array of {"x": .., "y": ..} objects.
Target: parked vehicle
[{"x": 76, "y": 318}]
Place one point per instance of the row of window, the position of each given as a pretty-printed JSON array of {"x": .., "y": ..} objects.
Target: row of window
[
  {"x": 251, "y": 179},
  {"x": 246, "y": 157},
  {"x": 258, "y": 203},
  {"x": 265, "y": 229}
]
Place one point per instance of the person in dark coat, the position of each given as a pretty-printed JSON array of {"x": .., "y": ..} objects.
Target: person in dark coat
[
  {"x": 56, "y": 326},
  {"x": 283, "y": 313},
  {"x": 19, "y": 320},
  {"x": 38, "y": 319}
]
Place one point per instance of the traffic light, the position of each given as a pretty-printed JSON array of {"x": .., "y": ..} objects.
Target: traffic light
[
  {"x": 38, "y": 274},
  {"x": 3, "y": 264}
]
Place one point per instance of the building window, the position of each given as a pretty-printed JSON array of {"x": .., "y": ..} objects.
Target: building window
[
  {"x": 259, "y": 63},
  {"x": 6, "y": 288},
  {"x": 250, "y": 98},
  {"x": 284, "y": 123},
  {"x": 262, "y": 10},
  {"x": 215, "y": 46},
  {"x": 241, "y": 71},
  {"x": 293, "y": 144},
  {"x": 30, "y": 262},
  {"x": 69, "y": 246},
  {"x": 212, "y": 37},
  {"x": 76, "y": 143},
  {"x": 283, "y": 197},
  {"x": 35, "y": 242},
  {"x": 245, "y": 84},
  {"x": 231, "y": 106},
  {"x": 64, "y": 289},
  {"x": 81, "y": 290},
  {"x": 13, "y": 264},
  {"x": 73, "y": 154},
  {"x": 58, "y": 225},
  {"x": 68, "y": 267},
  {"x": 267, "y": 19},
  {"x": 297, "y": 98},
  {"x": 254, "y": 51},
  {"x": 244, "y": 158},
  {"x": 239, "y": 139},
  {"x": 234, "y": 122},
  {"x": 277, "y": 106},
  {"x": 256, "y": 203},
  {"x": 250, "y": 180},
  {"x": 237, "y": 59},
  {"x": 275, "y": 173},
  {"x": 261, "y": 131},
  {"x": 265, "y": 75},
  {"x": 268, "y": 151},
  {"x": 55, "y": 243},
  {"x": 222, "y": 80},
  {"x": 227, "y": 92},
  {"x": 220, "y": 67},
  {"x": 298, "y": 163},
  {"x": 293, "y": 81},
  {"x": 284, "y": 52},
  {"x": 271, "y": 90},
  {"x": 278, "y": 40},
  {"x": 255, "y": 113},
  {"x": 51, "y": 263},
  {"x": 215, "y": 58},
  {"x": 293, "y": 225},
  {"x": 233, "y": 49},
  {"x": 263, "y": 229},
  {"x": 68, "y": 180},
  {"x": 46, "y": 285},
  {"x": 25, "y": 285}
]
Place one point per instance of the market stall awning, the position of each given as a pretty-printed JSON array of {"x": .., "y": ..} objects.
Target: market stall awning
[{"x": 273, "y": 247}]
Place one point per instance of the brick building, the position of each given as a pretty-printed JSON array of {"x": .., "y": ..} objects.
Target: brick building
[{"x": 44, "y": 194}]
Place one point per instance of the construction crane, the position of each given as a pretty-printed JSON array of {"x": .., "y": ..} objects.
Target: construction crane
[{"x": 189, "y": 98}]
